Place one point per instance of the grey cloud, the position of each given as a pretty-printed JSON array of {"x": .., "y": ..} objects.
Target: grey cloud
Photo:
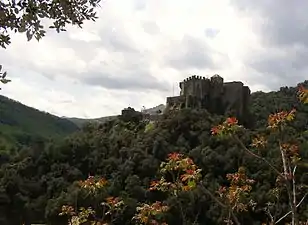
[
  {"x": 117, "y": 41},
  {"x": 274, "y": 72},
  {"x": 282, "y": 28},
  {"x": 283, "y": 24},
  {"x": 140, "y": 81},
  {"x": 113, "y": 38},
  {"x": 191, "y": 52},
  {"x": 278, "y": 62},
  {"x": 211, "y": 33},
  {"x": 134, "y": 71}
]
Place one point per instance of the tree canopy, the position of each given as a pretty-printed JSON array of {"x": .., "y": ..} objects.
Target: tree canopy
[
  {"x": 125, "y": 168},
  {"x": 26, "y": 16}
]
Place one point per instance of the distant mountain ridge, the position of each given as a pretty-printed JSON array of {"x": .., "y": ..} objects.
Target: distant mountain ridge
[
  {"x": 155, "y": 110},
  {"x": 81, "y": 121},
  {"x": 21, "y": 124}
]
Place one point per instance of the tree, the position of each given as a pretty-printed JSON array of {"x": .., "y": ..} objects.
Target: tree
[
  {"x": 26, "y": 16},
  {"x": 289, "y": 159}
]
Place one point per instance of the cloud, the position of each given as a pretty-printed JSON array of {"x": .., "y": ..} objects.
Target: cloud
[
  {"x": 191, "y": 52},
  {"x": 137, "y": 80},
  {"x": 283, "y": 34},
  {"x": 282, "y": 25},
  {"x": 210, "y": 32},
  {"x": 137, "y": 51}
]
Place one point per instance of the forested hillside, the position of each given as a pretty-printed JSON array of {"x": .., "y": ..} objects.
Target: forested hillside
[
  {"x": 37, "y": 184},
  {"x": 80, "y": 122},
  {"x": 20, "y": 124}
]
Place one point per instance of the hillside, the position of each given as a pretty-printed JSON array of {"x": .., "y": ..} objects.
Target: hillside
[
  {"x": 80, "y": 121},
  {"x": 22, "y": 124},
  {"x": 36, "y": 184}
]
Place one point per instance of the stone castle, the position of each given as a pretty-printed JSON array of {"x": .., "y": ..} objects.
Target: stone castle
[{"x": 212, "y": 94}]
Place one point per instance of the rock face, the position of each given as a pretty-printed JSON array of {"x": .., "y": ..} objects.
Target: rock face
[{"x": 212, "y": 94}]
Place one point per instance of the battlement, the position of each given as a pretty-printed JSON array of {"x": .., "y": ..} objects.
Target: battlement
[
  {"x": 212, "y": 94},
  {"x": 195, "y": 77}
]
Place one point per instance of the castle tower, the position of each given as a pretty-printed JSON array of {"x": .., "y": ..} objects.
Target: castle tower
[
  {"x": 216, "y": 93},
  {"x": 212, "y": 94},
  {"x": 217, "y": 83}
]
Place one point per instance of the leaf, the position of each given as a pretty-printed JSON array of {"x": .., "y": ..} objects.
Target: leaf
[
  {"x": 22, "y": 29},
  {"x": 0, "y": 67},
  {"x": 4, "y": 74},
  {"x": 29, "y": 35},
  {"x": 191, "y": 183},
  {"x": 5, "y": 81}
]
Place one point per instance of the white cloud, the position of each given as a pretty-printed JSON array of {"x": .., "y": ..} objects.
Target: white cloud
[{"x": 138, "y": 50}]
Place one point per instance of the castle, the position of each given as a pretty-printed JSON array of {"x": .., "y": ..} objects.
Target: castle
[{"x": 212, "y": 94}]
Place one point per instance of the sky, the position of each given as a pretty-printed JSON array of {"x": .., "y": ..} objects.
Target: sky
[{"x": 138, "y": 51}]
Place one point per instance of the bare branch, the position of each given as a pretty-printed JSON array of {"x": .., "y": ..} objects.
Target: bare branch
[
  {"x": 221, "y": 204},
  {"x": 257, "y": 156},
  {"x": 288, "y": 213}
]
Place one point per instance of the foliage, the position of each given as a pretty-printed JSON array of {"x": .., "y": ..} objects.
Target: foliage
[
  {"x": 151, "y": 214},
  {"x": 289, "y": 161},
  {"x": 22, "y": 125},
  {"x": 183, "y": 171},
  {"x": 236, "y": 196},
  {"x": 26, "y": 16},
  {"x": 177, "y": 172},
  {"x": 111, "y": 205},
  {"x": 3, "y": 78}
]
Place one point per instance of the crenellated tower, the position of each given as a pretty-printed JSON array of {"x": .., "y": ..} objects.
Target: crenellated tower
[{"x": 211, "y": 94}]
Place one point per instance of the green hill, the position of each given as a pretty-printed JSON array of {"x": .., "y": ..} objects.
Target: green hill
[
  {"x": 22, "y": 124},
  {"x": 80, "y": 122}
]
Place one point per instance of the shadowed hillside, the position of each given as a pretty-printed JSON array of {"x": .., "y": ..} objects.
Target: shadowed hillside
[{"x": 22, "y": 124}]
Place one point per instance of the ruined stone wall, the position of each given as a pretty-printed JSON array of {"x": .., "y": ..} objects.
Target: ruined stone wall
[
  {"x": 212, "y": 94},
  {"x": 233, "y": 97},
  {"x": 216, "y": 89},
  {"x": 246, "y": 98},
  {"x": 175, "y": 102},
  {"x": 195, "y": 89}
]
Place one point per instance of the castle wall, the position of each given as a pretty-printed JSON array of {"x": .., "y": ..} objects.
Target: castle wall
[
  {"x": 176, "y": 101},
  {"x": 233, "y": 97},
  {"x": 246, "y": 98},
  {"x": 212, "y": 94},
  {"x": 216, "y": 87}
]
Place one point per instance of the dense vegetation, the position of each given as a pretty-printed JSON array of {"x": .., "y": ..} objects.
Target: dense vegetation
[
  {"x": 22, "y": 125},
  {"x": 125, "y": 154}
]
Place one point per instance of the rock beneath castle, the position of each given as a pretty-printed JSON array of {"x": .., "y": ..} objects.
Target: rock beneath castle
[{"x": 212, "y": 94}]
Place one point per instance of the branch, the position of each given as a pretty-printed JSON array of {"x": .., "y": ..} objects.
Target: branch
[
  {"x": 268, "y": 212},
  {"x": 300, "y": 202},
  {"x": 257, "y": 156},
  {"x": 221, "y": 204},
  {"x": 294, "y": 169}
]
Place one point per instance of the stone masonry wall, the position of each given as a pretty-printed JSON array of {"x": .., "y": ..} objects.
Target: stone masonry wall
[{"x": 212, "y": 94}]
